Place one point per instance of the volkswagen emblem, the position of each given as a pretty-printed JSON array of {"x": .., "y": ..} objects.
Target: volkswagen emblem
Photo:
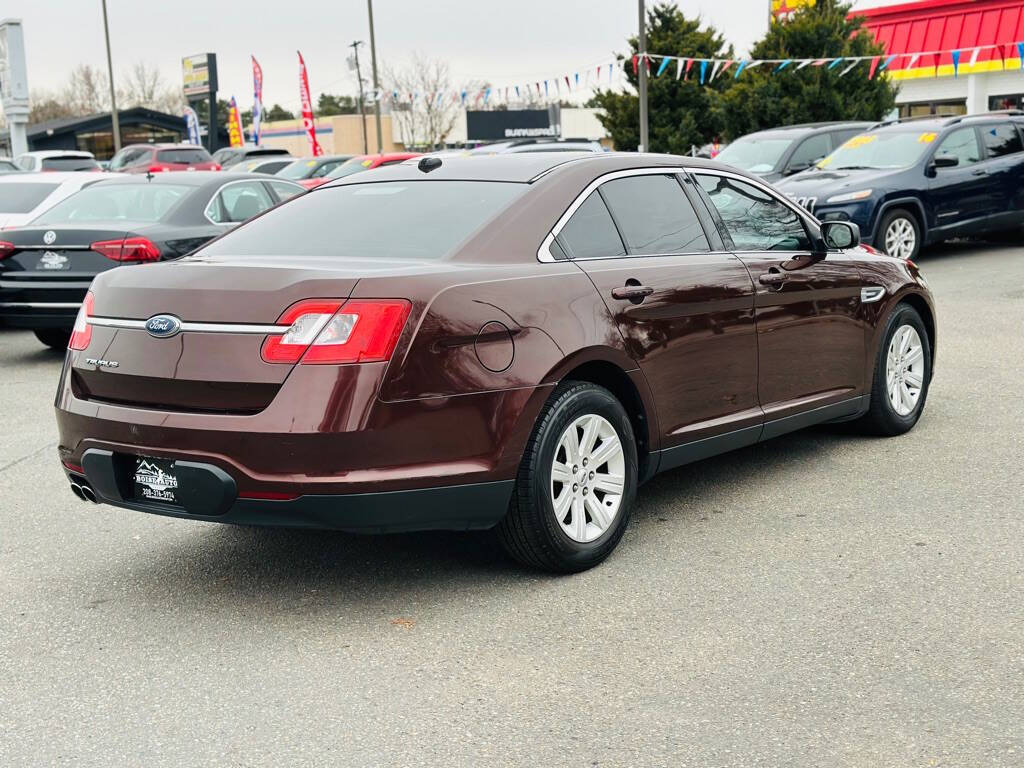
[
  {"x": 163, "y": 326},
  {"x": 50, "y": 237}
]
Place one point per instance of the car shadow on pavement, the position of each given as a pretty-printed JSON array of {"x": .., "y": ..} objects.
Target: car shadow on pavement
[{"x": 277, "y": 566}]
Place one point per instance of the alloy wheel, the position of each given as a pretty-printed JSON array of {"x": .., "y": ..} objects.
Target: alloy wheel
[
  {"x": 904, "y": 370},
  {"x": 587, "y": 478},
  {"x": 900, "y": 238}
]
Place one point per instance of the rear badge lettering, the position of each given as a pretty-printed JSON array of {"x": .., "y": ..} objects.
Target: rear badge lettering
[
  {"x": 163, "y": 326},
  {"x": 99, "y": 363}
]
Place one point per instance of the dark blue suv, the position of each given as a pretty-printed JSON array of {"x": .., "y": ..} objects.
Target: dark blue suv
[{"x": 914, "y": 182}]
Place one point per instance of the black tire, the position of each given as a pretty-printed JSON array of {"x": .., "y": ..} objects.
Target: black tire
[
  {"x": 887, "y": 221},
  {"x": 55, "y": 338},
  {"x": 530, "y": 532},
  {"x": 882, "y": 418}
]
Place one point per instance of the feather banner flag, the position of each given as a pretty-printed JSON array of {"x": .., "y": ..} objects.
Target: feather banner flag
[
  {"x": 307, "y": 108},
  {"x": 235, "y": 136},
  {"x": 257, "y": 100}
]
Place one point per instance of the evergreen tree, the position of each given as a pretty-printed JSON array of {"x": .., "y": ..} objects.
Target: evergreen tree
[
  {"x": 681, "y": 112},
  {"x": 762, "y": 98}
]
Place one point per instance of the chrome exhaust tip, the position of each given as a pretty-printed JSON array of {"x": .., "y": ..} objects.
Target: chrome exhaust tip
[
  {"x": 88, "y": 494},
  {"x": 77, "y": 490}
]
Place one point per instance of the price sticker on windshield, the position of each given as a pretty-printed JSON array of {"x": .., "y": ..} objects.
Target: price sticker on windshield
[
  {"x": 927, "y": 138},
  {"x": 859, "y": 141}
]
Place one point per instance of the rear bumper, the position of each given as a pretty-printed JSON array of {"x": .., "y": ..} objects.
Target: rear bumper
[
  {"x": 39, "y": 314},
  {"x": 215, "y": 499}
]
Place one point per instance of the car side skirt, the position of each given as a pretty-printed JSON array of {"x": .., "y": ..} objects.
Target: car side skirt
[{"x": 688, "y": 453}]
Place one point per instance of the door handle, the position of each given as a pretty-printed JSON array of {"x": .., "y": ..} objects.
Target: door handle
[
  {"x": 633, "y": 293},
  {"x": 979, "y": 172},
  {"x": 773, "y": 279}
]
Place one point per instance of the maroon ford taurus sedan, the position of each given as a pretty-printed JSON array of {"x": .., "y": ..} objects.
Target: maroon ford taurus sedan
[{"x": 514, "y": 342}]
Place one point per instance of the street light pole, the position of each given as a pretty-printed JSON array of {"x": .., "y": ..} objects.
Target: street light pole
[
  {"x": 362, "y": 111},
  {"x": 642, "y": 77},
  {"x": 115, "y": 124},
  {"x": 376, "y": 83}
]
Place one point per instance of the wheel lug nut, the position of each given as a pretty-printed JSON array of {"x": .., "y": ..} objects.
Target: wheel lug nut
[
  {"x": 575, "y": 487},
  {"x": 575, "y": 468},
  {"x": 584, "y": 490},
  {"x": 591, "y": 475},
  {"x": 584, "y": 462}
]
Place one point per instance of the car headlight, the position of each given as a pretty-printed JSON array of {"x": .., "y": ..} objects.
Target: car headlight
[{"x": 849, "y": 197}]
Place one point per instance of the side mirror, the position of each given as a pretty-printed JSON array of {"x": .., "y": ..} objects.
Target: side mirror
[
  {"x": 840, "y": 235},
  {"x": 946, "y": 161},
  {"x": 796, "y": 168}
]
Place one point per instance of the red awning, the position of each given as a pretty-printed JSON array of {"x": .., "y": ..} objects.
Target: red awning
[{"x": 945, "y": 25}]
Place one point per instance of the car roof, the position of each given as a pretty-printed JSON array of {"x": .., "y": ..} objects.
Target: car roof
[
  {"x": 792, "y": 131},
  {"x": 523, "y": 167},
  {"x": 939, "y": 122},
  {"x": 49, "y": 177},
  {"x": 187, "y": 178},
  {"x": 44, "y": 153}
]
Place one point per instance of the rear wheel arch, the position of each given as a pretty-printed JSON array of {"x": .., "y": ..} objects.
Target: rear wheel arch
[{"x": 613, "y": 378}]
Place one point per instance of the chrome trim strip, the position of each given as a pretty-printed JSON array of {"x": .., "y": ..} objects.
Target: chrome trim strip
[
  {"x": 140, "y": 325},
  {"x": 871, "y": 294},
  {"x": 54, "y": 247},
  {"x": 41, "y": 304},
  {"x": 544, "y": 254},
  {"x": 46, "y": 284}
]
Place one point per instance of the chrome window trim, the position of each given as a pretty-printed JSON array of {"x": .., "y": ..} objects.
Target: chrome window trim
[
  {"x": 186, "y": 327},
  {"x": 48, "y": 285},
  {"x": 544, "y": 252}
]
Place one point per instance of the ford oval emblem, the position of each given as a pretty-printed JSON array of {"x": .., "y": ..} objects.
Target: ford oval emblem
[
  {"x": 163, "y": 326},
  {"x": 50, "y": 237}
]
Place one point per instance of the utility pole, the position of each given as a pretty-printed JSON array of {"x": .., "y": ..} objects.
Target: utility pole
[
  {"x": 642, "y": 77},
  {"x": 115, "y": 125},
  {"x": 362, "y": 110},
  {"x": 376, "y": 83}
]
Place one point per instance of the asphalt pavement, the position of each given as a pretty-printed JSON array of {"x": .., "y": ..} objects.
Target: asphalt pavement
[{"x": 824, "y": 599}]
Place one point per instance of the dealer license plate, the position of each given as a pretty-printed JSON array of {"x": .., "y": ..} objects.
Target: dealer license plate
[{"x": 155, "y": 480}]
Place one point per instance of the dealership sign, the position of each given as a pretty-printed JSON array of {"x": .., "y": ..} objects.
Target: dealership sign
[
  {"x": 199, "y": 74},
  {"x": 492, "y": 125}
]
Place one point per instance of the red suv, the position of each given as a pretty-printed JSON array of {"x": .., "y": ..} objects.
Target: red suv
[{"x": 156, "y": 158}]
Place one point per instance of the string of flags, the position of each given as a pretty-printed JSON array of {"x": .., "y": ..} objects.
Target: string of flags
[{"x": 699, "y": 69}]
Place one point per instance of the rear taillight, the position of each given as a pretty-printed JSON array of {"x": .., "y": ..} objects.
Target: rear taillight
[
  {"x": 6, "y": 249},
  {"x": 129, "y": 249},
  {"x": 335, "y": 332},
  {"x": 157, "y": 169},
  {"x": 81, "y": 334},
  {"x": 216, "y": 166}
]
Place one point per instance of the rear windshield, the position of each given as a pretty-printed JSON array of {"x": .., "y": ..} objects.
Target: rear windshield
[
  {"x": 116, "y": 202},
  {"x": 197, "y": 155},
  {"x": 299, "y": 169},
  {"x": 22, "y": 198},
  {"x": 69, "y": 164},
  {"x": 410, "y": 220}
]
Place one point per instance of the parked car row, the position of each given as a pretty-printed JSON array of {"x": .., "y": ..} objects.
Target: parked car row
[{"x": 905, "y": 183}]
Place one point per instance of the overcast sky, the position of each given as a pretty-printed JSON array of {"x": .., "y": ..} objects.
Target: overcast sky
[{"x": 500, "y": 41}]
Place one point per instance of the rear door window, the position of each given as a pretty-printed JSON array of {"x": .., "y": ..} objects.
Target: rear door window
[
  {"x": 239, "y": 202},
  {"x": 653, "y": 215},
  {"x": 285, "y": 191},
  {"x": 590, "y": 232},
  {"x": 1000, "y": 140},
  {"x": 755, "y": 220}
]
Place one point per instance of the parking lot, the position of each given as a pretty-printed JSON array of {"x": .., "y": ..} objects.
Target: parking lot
[{"x": 823, "y": 599}]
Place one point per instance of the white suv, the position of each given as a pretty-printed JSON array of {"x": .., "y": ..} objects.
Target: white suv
[{"x": 58, "y": 160}]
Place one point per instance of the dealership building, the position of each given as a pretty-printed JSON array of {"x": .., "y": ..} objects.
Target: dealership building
[{"x": 986, "y": 33}]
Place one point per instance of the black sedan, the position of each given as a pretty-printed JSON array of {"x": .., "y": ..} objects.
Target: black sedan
[{"x": 47, "y": 266}]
